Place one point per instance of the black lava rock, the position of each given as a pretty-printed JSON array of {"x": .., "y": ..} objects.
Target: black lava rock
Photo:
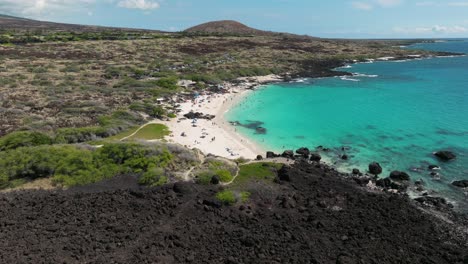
[
  {"x": 284, "y": 173},
  {"x": 303, "y": 151},
  {"x": 399, "y": 176},
  {"x": 315, "y": 157},
  {"x": 288, "y": 154},
  {"x": 445, "y": 155},
  {"x": 461, "y": 184},
  {"x": 215, "y": 180},
  {"x": 375, "y": 168},
  {"x": 270, "y": 155}
]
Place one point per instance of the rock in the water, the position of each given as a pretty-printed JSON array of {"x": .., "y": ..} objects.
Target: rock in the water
[
  {"x": 344, "y": 157},
  {"x": 445, "y": 155},
  {"x": 315, "y": 157},
  {"x": 433, "y": 167},
  {"x": 375, "y": 168},
  {"x": 284, "y": 173},
  {"x": 356, "y": 171},
  {"x": 270, "y": 155},
  {"x": 399, "y": 176},
  {"x": 461, "y": 184},
  {"x": 259, "y": 157},
  {"x": 388, "y": 183},
  {"x": 303, "y": 151},
  {"x": 260, "y": 130},
  {"x": 288, "y": 154},
  {"x": 215, "y": 180}
]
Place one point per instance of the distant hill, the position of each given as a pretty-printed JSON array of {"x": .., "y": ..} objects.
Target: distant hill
[
  {"x": 225, "y": 27},
  {"x": 23, "y": 24},
  {"x": 237, "y": 28}
]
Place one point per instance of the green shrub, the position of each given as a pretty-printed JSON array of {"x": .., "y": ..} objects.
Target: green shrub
[
  {"x": 70, "y": 165},
  {"x": 24, "y": 139},
  {"x": 224, "y": 175},
  {"x": 168, "y": 83},
  {"x": 227, "y": 197},
  {"x": 153, "y": 177},
  {"x": 245, "y": 196},
  {"x": 204, "y": 177}
]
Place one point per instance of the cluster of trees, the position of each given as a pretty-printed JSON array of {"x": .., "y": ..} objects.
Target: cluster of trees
[{"x": 70, "y": 165}]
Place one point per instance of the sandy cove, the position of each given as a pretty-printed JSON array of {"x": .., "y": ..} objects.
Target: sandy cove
[{"x": 217, "y": 136}]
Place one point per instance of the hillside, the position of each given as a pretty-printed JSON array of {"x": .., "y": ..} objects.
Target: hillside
[
  {"x": 24, "y": 24},
  {"x": 226, "y": 27}
]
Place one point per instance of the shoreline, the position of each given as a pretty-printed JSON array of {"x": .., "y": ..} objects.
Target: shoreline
[{"x": 217, "y": 136}]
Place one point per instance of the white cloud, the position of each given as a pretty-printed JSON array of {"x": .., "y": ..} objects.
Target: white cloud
[
  {"x": 434, "y": 30},
  {"x": 458, "y": 4},
  {"x": 427, "y": 3},
  {"x": 362, "y": 6},
  {"x": 389, "y": 3},
  {"x": 139, "y": 4},
  {"x": 41, "y": 8}
]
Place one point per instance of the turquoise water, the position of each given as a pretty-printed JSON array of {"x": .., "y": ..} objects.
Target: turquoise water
[{"x": 395, "y": 113}]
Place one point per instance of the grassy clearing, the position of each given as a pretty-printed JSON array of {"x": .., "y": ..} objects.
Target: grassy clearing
[
  {"x": 257, "y": 171},
  {"x": 230, "y": 197},
  {"x": 124, "y": 134},
  {"x": 151, "y": 132}
]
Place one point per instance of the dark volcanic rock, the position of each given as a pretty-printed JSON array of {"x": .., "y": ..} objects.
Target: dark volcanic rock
[
  {"x": 433, "y": 167},
  {"x": 445, "y": 155},
  {"x": 461, "y": 184},
  {"x": 399, "y": 176},
  {"x": 270, "y": 155},
  {"x": 344, "y": 157},
  {"x": 259, "y": 157},
  {"x": 356, "y": 171},
  {"x": 215, "y": 180},
  {"x": 284, "y": 173},
  {"x": 315, "y": 157},
  {"x": 375, "y": 168},
  {"x": 437, "y": 202},
  {"x": 303, "y": 151},
  {"x": 288, "y": 154},
  {"x": 183, "y": 188},
  {"x": 312, "y": 219},
  {"x": 198, "y": 115}
]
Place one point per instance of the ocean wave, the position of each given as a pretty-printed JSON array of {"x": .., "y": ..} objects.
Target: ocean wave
[
  {"x": 347, "y": 67},
  {"x": 386, "y": 58},
  {"x": 365, "y": 75},
  {"x": 344, "y": 78}
]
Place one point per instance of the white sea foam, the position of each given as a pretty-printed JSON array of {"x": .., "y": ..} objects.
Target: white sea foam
[
  {"x": 347, "y": 67},
  {"x": 386, "y": 58},
  {"x": 365, "y": 75},
  {"x": 344, "y": 78}
]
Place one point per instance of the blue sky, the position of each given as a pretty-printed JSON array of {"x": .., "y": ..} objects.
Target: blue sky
[{"x": 323, "y": 18}]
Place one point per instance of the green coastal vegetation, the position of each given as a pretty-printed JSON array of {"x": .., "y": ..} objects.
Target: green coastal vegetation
[{"x": 71, "y": 94}]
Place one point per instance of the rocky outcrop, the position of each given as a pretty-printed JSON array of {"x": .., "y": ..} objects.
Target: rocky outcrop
[
  {"x": 284, "y": 173},
  {"x": 303, "y": 151},
  {"x": 445, "y": 155},
  {"x": 198, "y": 115},
  {"x": 315, "y": 157},
  {"x": 399, "y": 176},
  {"x": 461, "y": 184},
  {"x": 288, "y": 154},
  {"x": 375, "y": 168}
]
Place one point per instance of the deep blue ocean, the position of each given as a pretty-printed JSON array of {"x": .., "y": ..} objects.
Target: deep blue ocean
[{"x": 395, "y": 113}]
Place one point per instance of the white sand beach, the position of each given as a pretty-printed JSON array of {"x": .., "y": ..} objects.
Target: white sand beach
[{"x": 217, "y": 136}]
